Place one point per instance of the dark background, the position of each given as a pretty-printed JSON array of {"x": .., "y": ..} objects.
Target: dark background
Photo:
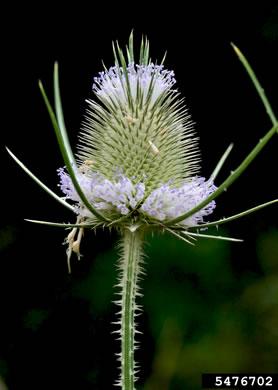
[{"x": 212, "y": 308}]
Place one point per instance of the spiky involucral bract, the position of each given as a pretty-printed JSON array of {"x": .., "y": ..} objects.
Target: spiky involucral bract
[
  {"x": 137, "y": 150},
  {"x": 141, "y": 129}
]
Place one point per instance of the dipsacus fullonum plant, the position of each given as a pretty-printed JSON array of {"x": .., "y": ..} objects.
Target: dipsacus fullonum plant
[{"x": 136, "y": 170}]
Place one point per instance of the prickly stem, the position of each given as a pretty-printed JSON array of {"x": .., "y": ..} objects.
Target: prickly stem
[{"x": 130, "y": 268}]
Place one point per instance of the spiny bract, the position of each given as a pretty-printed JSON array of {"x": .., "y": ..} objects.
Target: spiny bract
[{"x": 138, "y": 154}]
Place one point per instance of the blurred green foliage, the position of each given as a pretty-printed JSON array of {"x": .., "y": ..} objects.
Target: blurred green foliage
[
  {"x": 7, "y": 236},
  {"x": 200, "y": 315},
  {"x": 201, "y": 321}
]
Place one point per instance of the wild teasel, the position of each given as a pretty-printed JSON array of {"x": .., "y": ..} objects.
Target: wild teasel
[
  {"x": 136, "y": 171},
  {"x": 142, "y": 149}
]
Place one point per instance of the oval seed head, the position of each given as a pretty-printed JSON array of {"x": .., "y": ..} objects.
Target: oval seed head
[{"x": 142, "y": 143}]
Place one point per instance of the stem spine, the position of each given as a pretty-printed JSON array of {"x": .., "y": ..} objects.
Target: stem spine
[{"x": 130, "y": 269}]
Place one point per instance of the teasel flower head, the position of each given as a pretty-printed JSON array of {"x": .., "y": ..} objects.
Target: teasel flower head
[
  {"x": 138, "y": 157},
  {"x": 137, "y": 170}
]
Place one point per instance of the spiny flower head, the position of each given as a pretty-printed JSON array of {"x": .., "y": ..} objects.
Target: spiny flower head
[
  {"x": 138, "y": 155},
  {"x": 120, "y": 197}
]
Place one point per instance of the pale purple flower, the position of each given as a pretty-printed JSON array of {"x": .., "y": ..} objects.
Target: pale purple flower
[
  {"x": 122, "y": 196},
  {"x": 112, "y": 85},
  {"x": 167, "y": 202},
  {"x": 119, "y": 195}
]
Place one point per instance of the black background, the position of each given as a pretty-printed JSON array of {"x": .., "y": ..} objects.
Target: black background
[{"x": 222, "y": 102}]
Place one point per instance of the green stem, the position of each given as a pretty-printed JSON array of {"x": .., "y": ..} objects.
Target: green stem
[
  {"x": 60, "y": 115},
  {"x": 67, "y": 156},
  {"x": 251, "y": 155},
  {"x": 257, "y": 84},
  {"x": 130, "y": 269}
]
